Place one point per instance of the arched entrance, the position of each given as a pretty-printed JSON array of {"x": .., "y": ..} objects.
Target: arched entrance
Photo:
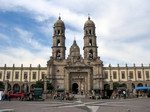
[
  {"x": 24, "y": 88},
  {"x": 139, "y": 85},
  {"x": 16, "y": 88},
  {"x": 75, "y": 88},
  {"x": 106, "y": 87}
]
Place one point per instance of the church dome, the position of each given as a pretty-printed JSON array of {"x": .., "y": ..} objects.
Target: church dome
[
  {"x": 74, "y": 50},
  {"x": 59, "y": 23},
  {"x": 89, "y": 22},
  {"x": 74, "y": 46}
]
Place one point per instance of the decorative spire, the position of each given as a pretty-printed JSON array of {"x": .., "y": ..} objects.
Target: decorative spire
[
  {"x": 74, "y": 37},
  {"x": 88, "y": 16},
  {"x": 59, "y": 17}
]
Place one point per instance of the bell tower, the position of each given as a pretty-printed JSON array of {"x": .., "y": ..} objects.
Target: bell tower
[
  {"x": 58, "y": 48},
  {"x": 90, "y": 45}
]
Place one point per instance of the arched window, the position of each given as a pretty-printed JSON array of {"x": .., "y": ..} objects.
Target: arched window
[
  {"x": 58, "y": 42},
  {"x": 58, "y": 56},
  {"x": 90, "y": 54},
  {"x": 90, "y": 32},
  {"x": 86, "y": 32},
  {"x": 90, "y": 42},
  {"x": 58, "y": 32}
]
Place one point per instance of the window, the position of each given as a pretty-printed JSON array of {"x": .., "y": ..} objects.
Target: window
[
  {"x": 90, "y": 32},
  {"x": 114, "y": 75},
  {"x": 58, "y": 55},
  {"x": 25, "y": 75},
  {"x": 123, "y": 74},
  {"x": 58, "y": 42},
  {"x": 34, "y": 75},
  {"x": 139, "y": 74},
  {"x": 106, "y": 75},
  {"x": 43, "y": 75},
  {"x": 8, "y": 75},
  {"x": 86, "y": 32},
  {"x": 16, "y": 75},
  {"x": 58, "y": 32},
  {"x": 147, "y": 75},
  {"x": 0, "y": 74},
  {"x": 90, "y": 54},
  {"x": 90, "y": 42},
  {"x": 131, "y": 74}
]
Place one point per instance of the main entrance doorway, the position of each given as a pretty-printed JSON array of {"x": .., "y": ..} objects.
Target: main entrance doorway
[{"x": 75, "y": 88}]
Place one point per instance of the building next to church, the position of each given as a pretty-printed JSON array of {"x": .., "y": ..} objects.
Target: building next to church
[{"x": 75, "y": 73}]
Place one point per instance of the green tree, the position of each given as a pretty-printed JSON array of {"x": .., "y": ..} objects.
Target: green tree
[
  {"x": 39, "y": 84},
  {"x": 116, "y": 85},
  {"x": 50, "y": 86},
  {"x": 1, "y": 85}
]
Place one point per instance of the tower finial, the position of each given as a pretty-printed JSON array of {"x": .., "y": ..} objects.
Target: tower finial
[
  {"x": 59, "y": 16},
  {"x": 88, "y": 16},
  {"x": 74, "y": 37}
]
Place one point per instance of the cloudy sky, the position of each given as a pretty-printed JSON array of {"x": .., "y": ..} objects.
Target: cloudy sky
[{"x": 122, "y": 29}]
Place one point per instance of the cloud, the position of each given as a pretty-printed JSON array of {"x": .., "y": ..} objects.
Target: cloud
[{"x": 122, "y": 26}]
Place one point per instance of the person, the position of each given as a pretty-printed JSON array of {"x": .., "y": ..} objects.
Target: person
[
  {"x": 8, "y": 96},
  {"x": 124, "y": 94},
  {"x": 0, "y": 95},
  {"x": 3, "y": 96}
]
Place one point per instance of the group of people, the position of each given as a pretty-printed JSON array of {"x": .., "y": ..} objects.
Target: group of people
[
  {"x": 120, "y": 94},
  {"x": 5, "y": 96},
  {"x": 63, "y": 96}
]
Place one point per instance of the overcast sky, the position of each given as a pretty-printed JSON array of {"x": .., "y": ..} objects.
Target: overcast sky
[{"x": 122, "y": 29}]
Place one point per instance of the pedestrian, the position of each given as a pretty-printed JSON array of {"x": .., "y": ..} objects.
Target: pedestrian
[
  {"x": 124, "y": 94},
  {"x": 8, "y": 96}
]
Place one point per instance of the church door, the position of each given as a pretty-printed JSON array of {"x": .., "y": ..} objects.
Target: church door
[{"x": 75, "y": 88}]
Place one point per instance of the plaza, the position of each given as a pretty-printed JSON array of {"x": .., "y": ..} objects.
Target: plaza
[{"x": 80, "y": 105}]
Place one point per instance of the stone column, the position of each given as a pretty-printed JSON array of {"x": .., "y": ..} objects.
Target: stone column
[
  {"x": 25, "y": 86},
  {"x": 89, "y": 82},
  {"x": 67, "y": 81},
  {"x": 129, "y": 84},
  {"x": 6, "y": 86},
  {"x": 111, "y": 83}
]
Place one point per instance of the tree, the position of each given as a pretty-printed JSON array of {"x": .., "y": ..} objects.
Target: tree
[
  {"x": 50, "y": 86},
  {"x": 116, "y": 85},
  {"x": 1, "y": 85},
  {"x": 39, "y": 84}
]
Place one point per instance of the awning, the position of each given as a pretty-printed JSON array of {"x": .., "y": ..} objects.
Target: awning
[{"x": 142, "y": 88}]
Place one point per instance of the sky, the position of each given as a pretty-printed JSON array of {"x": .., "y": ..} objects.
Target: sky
[{"x": 122, "y": 29}]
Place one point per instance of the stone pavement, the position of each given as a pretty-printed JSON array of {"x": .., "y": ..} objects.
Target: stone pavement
[{"x": 80, "y": 105}]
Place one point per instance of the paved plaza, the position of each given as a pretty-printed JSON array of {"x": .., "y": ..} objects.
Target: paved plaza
[{"x": 80, "y": 105}]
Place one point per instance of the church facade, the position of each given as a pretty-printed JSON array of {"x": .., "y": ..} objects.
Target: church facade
[{"x": 76, "y": 73}]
